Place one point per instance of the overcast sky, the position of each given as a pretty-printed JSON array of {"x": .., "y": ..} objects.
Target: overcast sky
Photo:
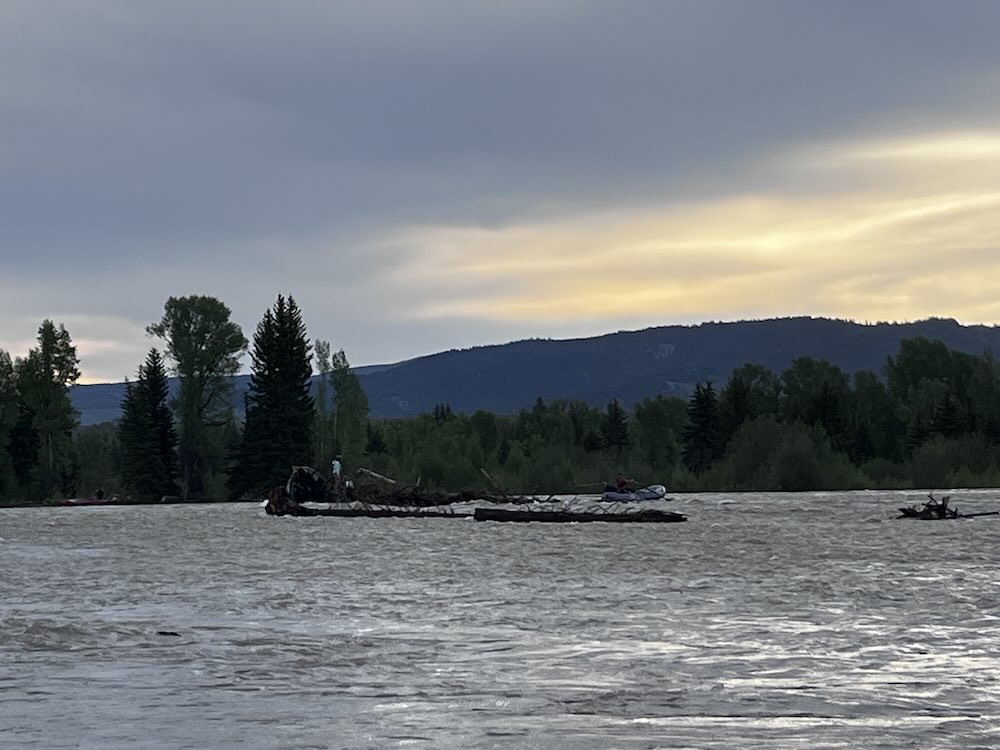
[{"x": 425, "y": 175}]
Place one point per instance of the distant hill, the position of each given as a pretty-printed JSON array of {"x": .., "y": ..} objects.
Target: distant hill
[{"x": 628, "y": 365}]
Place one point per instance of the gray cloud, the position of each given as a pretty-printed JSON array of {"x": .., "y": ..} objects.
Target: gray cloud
[{"x": 157, "y": 149}]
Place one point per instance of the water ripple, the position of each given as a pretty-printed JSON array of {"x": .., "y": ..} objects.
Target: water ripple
[{"x": 775, "y": 621}]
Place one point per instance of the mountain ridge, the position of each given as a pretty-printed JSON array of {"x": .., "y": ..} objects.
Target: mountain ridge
[{"x": 627, "y": 365}]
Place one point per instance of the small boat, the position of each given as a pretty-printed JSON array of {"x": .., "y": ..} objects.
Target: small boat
[
  {"x": 571, "y": 516},
  {"x": 652, "y": 492}
]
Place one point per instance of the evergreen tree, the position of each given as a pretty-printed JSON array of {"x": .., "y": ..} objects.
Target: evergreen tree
[
  {"x": 279, "y": 408},
  {"x": 146, "y": 432},
  {"x": 702, "y": 435},
  {"x": 614, "y": 426},
  {"x": 23, "y": 445},
  {"x": 161, "y": 422},
  {"x": 134, "y": 438}
]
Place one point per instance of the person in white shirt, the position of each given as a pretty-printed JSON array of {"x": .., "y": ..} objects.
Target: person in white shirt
[{"x": 336, "y": 469}]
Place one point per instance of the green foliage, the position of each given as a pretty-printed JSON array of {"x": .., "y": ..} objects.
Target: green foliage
[
  {"x": 23, "y": 446},
  {"x": 872, "y": 422},
  {"x": 279, "y": 408},
  {"x": 374, "y": 442},
  {"x": 206, "y": 347},
  {"x": 951, "y": 462},
  {"x": 42, "y": 441},
  {"x": 817, "y": 393},
  {"x": 99, "y": 452},
  {"x": 766, "y": 454},
  {"x": 752, "y": 390},
  {"x": 323, "y": 423},
  {"x": 660, "y": 423},
  {"x": 351, "y": 407}
]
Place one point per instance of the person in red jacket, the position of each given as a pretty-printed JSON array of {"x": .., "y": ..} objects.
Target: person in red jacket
[{"x": 622, "y": 484}]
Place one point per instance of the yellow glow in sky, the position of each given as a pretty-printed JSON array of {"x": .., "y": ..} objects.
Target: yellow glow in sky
[{"x": 916, "y": 233}]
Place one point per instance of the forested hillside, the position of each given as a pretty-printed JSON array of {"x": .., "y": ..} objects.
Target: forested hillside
[{"x": 627, "y": 366}]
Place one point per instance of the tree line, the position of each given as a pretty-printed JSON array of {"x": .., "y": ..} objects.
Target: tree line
[{"x": 930, "y": 418}]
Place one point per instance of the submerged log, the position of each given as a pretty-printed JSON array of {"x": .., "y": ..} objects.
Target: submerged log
[{"x": 569, "y": 516}]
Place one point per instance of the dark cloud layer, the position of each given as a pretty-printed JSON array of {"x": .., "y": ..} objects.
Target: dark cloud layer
[{"x": 149, "y": 149}]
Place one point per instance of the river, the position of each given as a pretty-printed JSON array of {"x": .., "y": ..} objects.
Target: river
[{"x": 766, "y": 621}]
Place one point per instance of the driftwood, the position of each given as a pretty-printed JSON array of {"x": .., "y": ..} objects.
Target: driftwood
[
  {"x": 938, "y": 510},
  {"x": 395, "y": 501},
  {"x": 933, "y": 510},
  {"x": 307, "y": 485},
  {"x": 381, "y": 497}
]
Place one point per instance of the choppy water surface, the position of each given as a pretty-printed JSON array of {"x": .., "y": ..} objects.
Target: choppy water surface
[{"x": 766, "y": 621}]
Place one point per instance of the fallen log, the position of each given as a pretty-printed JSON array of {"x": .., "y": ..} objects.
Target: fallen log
[
  {"x": 569, "y": 516},
  {"x": 302, "y": 510}
]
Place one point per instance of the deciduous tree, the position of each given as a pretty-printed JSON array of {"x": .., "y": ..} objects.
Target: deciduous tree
[
  {"x": 205, "y": 347},
  {"x": 43, "y": 379}
]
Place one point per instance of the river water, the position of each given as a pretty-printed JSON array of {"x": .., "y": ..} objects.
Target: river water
[{"x": 765, "y": 621}]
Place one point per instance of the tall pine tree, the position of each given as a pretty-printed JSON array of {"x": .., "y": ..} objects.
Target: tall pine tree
[
  {"x": 614, "y": 426},
  {"x": 702, "y": 436},
  {"x": 146, "y": 432},
  {"x": 279, "y": 408}
]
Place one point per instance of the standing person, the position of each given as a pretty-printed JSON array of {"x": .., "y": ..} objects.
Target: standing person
[{"x": 336, "y": 471}]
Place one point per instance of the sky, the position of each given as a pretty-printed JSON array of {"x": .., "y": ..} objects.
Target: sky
[{"x": 423, "y": 175}]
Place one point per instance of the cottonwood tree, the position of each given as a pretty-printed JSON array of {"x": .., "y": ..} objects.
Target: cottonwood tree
[
  {"x": 323, "y": 437},
  {"x": 351, "y": 404},
  {"x": 817, "y": 393},
  {"x": 752, "y": 391},
  {"x": 659, "y": 424},
  {"x": 279, "y": 408},
  {"x": 43, "y": 380},
  {"x": 205, "y": 347}
]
